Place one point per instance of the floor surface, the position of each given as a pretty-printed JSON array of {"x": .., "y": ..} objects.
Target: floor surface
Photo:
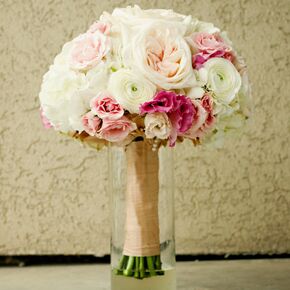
[{"x": 215, "y": 275}]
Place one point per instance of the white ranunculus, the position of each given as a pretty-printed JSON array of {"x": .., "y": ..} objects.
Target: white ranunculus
[
  {"x": 160, "y": 53},
  {"x": 157, "y": 125},
  {"x": 130, "y": 89},
  {"x": 223, "y": 79},
  {"x": 59, "y": 97}
]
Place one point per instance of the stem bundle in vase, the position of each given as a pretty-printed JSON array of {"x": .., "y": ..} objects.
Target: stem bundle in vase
[{"x": 141, "y": 253}]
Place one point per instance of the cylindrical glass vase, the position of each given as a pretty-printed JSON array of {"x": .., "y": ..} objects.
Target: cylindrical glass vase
[{"x": 142, "y": 195}]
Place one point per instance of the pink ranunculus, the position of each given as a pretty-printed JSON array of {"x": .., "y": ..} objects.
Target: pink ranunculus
[
  {"x": 100, "y": 26},
  {"x": 89, "y": 49},
  {"x": 91, "y": 123},
  {"x": 116, "y": 130},
  {"x": 105, "y": 106},
  {"x": 45, "y": 122},
  {"x": 207, "y": 46},
  {"x": 163, "y": 102}
]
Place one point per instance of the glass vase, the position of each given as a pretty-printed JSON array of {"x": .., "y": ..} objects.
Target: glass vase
[{"x": 142, "y": 198}]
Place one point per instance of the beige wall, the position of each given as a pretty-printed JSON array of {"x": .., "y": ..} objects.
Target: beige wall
[{"x": 53, "y": 197}]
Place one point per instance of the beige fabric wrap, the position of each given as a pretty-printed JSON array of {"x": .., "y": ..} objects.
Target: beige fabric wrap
[{"x": 142, "y": 225}]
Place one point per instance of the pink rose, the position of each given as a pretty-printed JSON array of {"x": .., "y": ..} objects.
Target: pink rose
[
  {"x": 208, "y": 46},
  {"x": 116, "y": 130},
  {"x": 203, "y": 118},
  {"x": 100, "y": 26},
  {"x": 88, "y": 50},
  {"x": 91, "y": 123},
  {"x": 45, "y": 122},
  {"x": 105, "y": 106}
]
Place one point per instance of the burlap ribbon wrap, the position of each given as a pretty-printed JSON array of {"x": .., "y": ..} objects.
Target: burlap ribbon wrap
[{"x": 142, "y": 225}]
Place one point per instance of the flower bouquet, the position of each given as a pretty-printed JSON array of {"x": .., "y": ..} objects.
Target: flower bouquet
[{"x": 142, "y": 80}]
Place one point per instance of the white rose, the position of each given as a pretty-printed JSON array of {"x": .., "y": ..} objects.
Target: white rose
[
  {"x": 59, "y": 97},
  {"x": 157, "y": 125},
  {"x": 160, "y": 53},
  {"x": 223, "y": 79},
  {"x": 130, "y": 89}
]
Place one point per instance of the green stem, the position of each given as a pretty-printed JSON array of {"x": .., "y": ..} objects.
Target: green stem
[
  {"x": 136, "y": 274},
  {"x": 141, "y": 268},
  {"x": 128, "y": 271},
  {"x": 150, "y": 264}
]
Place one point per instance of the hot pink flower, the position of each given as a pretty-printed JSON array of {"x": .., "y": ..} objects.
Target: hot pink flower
[
  {"x": 45, "y": 122},
  {"x": 163, "y": 102},
  {"x": 88, "y": 50},
  {"x": 105, "y": 106},
  {"x": 179, "y": 109},
  {"x": 91, "y": 123},
  {"x": 208, "y": 46},
  {"x": 181, "y": 117},
  {"x": 100, "y": 26},
  {"x": 116, "y": 130}
]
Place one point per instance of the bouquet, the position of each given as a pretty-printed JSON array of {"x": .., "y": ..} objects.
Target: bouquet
[{"x": 146, "y": 76}]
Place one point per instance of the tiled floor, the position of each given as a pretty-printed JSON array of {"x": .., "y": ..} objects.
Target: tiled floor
[{"x": 217, "y": 275}]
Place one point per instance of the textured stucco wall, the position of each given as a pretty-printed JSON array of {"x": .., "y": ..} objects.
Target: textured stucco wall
[{"x": 53, "y": 197}]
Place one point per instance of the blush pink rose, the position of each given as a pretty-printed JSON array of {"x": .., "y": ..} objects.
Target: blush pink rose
[
  {"x": 100, "y": 26},
  {"x": 105, "y": 106},
  {"x": 207, "y": 46},
  {"x": 45, "y": 122},
  {"x": 116, "y": 130},
  {"x": 91, "y": 123},
  {"x": 89, "y": 49}
]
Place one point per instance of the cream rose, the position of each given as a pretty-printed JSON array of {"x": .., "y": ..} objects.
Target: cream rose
[
  {"x": 157, "y": 125},
  {"x": 130, "y": 89},
  {"x": 160, "y": 53},
  {"x": 223, "y": 79}
]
